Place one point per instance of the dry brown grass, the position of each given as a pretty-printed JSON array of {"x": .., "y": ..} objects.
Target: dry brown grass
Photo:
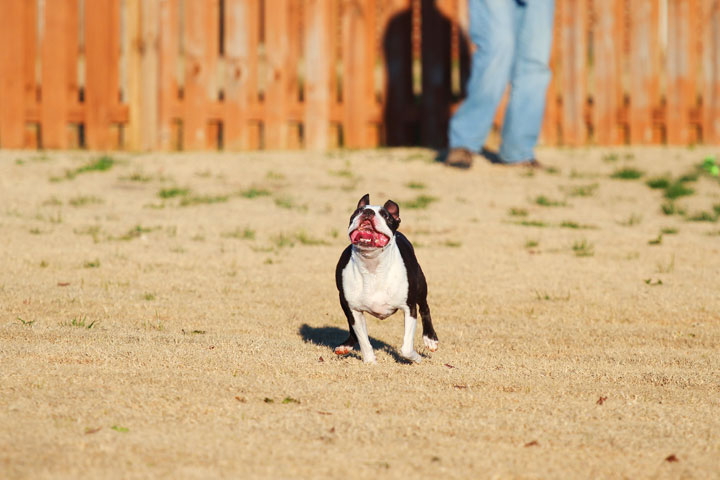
[{"x": 210, "y": 355}]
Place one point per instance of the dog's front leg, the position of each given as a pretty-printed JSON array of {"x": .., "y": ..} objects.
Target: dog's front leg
[
  {"x": 408, "y": 347},
  {"x": 360, "y": 329}
]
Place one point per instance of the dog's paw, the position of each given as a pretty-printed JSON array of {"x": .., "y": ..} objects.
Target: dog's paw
[
  {"x": 431, "y": 344},
  {"x": 412, "y": 355},
  {"x": 343, "y": 349}
]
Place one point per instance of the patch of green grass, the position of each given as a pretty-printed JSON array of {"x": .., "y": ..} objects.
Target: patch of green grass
[
  {"x": 415, "y": 185},
  {"x": 653, "y": 283},
  {"x": 245, "y": 233},
  {"x": 287, "y": 400},
  {"x": 583, "y": 248},
  {"x": 689, "y": 177},
  {"x": 676, "y": 190},
  {"x": 544, "y": 201},
  {"x": 305, "y": 238},
  {"x": 627, "y": 173},
  {"x": 35, "y": 231},
  {"x": 190, "y": 200},
  {"x": 120, "y": 429},
  {"x": 669, "y": 231},
  {"x": 420, "y": 202},
  {"x": 576, "y": 226},
  {"x": 52, "y": 202},
  {"x": 272, "y": 175},
  {"x": 518, "y": 212},
  {"x": 101, "y": 164},
  {"x": 149, "y": 296},
  {"x": 136, "y": 232},
  {"x": 656, "y": 241},
  {"x": 703, "y": 217},
  {"x": 43, "y": 264},
  {"x": 81, "y": 200},
  {"x": 633, "y": 219},
  {"x": 282, "y": 240},
  {"x": 342, "y": 173},
  {"x": 659, "y": 183},
  {"x": 289, "y": 203},
  {"x": 254, "y": 192},
  {"x": 532, "y": 223},
  {"x": 137, "y": 177},
  {"x": 552, "y": 171},
  {"x": 452, "y": 244},
  {"x": 26, "y": 323},
  {"x": 669, "y": 208},
  {"x": 92, "y": 263},
  {"x": 531, "y": 243},
  {"x": 173, "y": 192},
  {"x": 79, "y": 322},
  {"x": 610, "y": 157},
  {"x": 583, "y": 190},
  {"x": 92, "y": 230}
]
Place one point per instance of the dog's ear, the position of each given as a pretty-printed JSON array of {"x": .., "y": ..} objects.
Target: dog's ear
[
  {"x": 364, "y": 201},
  {"x": 393, "y": 209}
]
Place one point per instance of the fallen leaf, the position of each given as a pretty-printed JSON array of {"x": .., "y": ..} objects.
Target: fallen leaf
[
  {"x": 89, "y": 431},
  {"x": 672, "y": 458},
  {"x": 534, "y": 443},
  {"x": 601, "y": 400},
  {"x": 63, "y": 284},
  {"x": 460, "y": 387},
  {"x": 212, "y": 347},
  {"x": 332, "y": 430},
  {"x": 241, "y": 399},
  {"x": 324, "y": 413},
  {"x": 321, "y": 359},
  {"x": 268, "y": 400},
  {"x": 449, "y": 366}
]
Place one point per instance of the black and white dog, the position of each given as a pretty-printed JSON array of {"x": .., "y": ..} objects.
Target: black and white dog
[{"x": 379, "y": 274}]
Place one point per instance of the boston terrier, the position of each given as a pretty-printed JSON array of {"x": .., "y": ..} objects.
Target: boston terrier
[{"x": 379, "y": 274}]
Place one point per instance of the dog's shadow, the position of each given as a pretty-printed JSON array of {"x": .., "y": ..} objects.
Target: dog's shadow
[{"x": 333, "y": 336}]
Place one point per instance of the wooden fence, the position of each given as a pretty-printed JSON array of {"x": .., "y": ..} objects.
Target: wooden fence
[{"x": 248, "y": 74}]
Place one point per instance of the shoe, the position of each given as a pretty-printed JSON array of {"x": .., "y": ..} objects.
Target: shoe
[
  {"x": 459, "y": 158},
  {"x": 532, "y": 163}
]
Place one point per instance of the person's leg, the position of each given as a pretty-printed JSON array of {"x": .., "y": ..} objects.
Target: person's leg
[
  {"x": 529, "y": 81},
  {"x": 492, "y": 27}
]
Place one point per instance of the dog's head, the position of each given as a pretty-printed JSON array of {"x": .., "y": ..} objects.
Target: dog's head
[{"x": 372, "y": 226}]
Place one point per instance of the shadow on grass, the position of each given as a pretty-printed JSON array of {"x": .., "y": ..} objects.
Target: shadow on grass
[{"x": 333, "y": 336}]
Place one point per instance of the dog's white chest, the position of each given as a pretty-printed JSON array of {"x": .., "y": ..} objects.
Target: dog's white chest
[{"x": 376, "y": 286}]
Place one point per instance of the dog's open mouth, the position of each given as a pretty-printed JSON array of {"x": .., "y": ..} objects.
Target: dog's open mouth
[{"x": 366, "y": 236}]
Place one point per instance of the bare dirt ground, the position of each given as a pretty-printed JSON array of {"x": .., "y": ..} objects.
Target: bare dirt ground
[{"x": 174, "y": 315}]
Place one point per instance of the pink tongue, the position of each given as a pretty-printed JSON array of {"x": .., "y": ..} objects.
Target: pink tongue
[{"x": 375, "y": 239}]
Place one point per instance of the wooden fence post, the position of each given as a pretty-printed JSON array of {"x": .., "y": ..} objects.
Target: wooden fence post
[
  {"x": 143, "y": 68},
  {"x": 711, "y": 72},
  {"x": 644, "y": 69},
  {"x": 101, "y": 79},
  {"x": 319, "y": 59},
  {"x": 12, "y": 81},
  {"x": 357, "y": 45},
  {"x": 573, "y": 82},
  {"x": 680, "y": 70},
  {"x": 276, "y": 93},
  {"x": 607, "y": 98}
]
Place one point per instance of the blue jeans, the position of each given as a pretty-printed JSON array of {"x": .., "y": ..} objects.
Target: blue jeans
[{"x": 513, "y": 40}]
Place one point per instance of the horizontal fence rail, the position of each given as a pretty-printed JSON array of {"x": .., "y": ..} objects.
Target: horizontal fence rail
[{"x": 317, "y": 74}]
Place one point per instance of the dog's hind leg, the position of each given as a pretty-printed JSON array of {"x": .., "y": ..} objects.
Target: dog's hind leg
[
  {"x": 429, "y": 336},
  {"x": 348, "y": 345}
]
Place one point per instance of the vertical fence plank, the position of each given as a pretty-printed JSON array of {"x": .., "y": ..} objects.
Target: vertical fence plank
[
  {"x": 167, "y": 72},
  {"x": 241, "y": 22},
  {"x": 644, "y": 69},
  {"x": 711, "y": 72},
  {"x": 101, "y": 57},
  {"x": 397, "y": 57},
  {"x": 53, "y": 116},
  {"x": 607, "y": 95},
  {"x": 30, "y": 47},
  {"x": 357, "y": 44},
  {"x": 277, "y": 50},
  {"x": 680, "y": 71},
  {"x": 197, "y": 75},
  {"x": 549, "y": 134},
  {"x": 573, "y": 80},
  {"x": 12, "y": 81},
  {"x": 318, "y": 72}
]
